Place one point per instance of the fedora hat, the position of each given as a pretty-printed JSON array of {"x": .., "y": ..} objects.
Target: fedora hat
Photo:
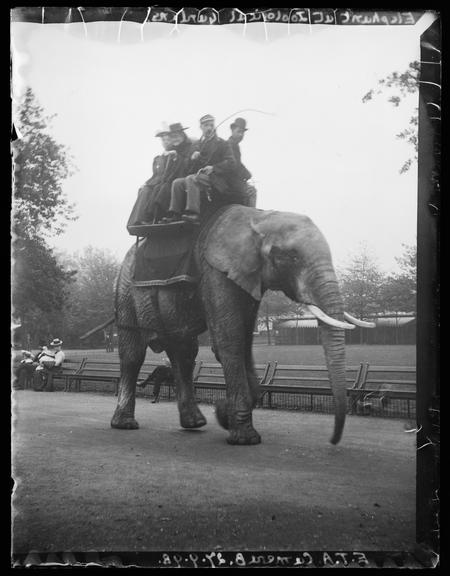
[
  {"x": 55, "y": 342},
  {"x": 164, "y": 129},
  {"x": 239, "y": 123},
  {"x": 207, "y": 118},
  {"x": 177, "y": 127}
]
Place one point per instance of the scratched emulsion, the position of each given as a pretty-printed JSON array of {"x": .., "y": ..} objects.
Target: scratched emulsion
[{"x": 192, "y": 16}]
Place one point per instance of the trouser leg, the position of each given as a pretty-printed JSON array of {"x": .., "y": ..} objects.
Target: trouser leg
[
  {"x": 193, "y": 194},
  {"x": 250, "y": 196},
  {"x": 156, "y": 390},
  {"x": 39, "y": 380},
  {"x": 178, "y": 195}
]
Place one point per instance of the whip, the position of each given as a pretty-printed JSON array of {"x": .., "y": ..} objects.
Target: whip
[
  {"x": 246, "y": 110},
  {"x": 233, "y": 114}
]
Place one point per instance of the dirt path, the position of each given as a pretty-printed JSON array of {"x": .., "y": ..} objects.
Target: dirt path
[{"x": 84, "y": 486}]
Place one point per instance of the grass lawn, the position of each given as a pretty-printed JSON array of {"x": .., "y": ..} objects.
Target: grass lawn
[{"x": 376, "y": 355}]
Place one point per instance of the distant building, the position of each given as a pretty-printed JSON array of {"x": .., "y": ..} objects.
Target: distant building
[{"x": 388, "y": 330}]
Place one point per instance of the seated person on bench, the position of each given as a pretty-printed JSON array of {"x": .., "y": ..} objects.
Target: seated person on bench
[
  {"x": 50, "y": 363},
  {"x": 160, "y": 375},
  {"x": 212, "y": 166},
  {"x": 26, "y": 369}
]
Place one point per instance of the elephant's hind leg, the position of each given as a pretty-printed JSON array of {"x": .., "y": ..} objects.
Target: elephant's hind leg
[
  {"x": 182, "y": 356},
  {"x": 132, "y": 347}
]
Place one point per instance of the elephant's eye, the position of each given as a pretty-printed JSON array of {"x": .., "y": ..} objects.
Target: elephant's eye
[{"x": 293, "y": 256}]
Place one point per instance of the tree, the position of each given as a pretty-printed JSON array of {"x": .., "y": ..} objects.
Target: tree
[
  {"x": 399, "y": 291},
  {"x": 91, "y": 297},
  {"x": 402, "y": 84},
  {"x": 39, "y": 289},
  {"x": 40, "y": 207},
  {"x": 361, "y": 282},
  {"x": 39, "y": 210}
]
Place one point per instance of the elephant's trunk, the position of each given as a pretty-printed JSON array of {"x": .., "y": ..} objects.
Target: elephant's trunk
[
  {"x": 324, "y": 289},
  {"x": 333, "y": 342}
]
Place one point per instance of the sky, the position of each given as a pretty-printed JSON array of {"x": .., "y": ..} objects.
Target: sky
[{"x": 313, "y": 146}]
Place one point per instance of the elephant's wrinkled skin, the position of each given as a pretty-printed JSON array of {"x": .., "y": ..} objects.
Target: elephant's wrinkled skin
[{"x": 246, "y": 252}]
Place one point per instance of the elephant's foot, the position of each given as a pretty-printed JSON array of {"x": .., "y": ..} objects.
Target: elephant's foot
[
  {"x": 191, "y": 417},
  {"x": 244, "y": 436},
  {"x": 222, "y": 414},
  {"x": 123, "y": 421}
]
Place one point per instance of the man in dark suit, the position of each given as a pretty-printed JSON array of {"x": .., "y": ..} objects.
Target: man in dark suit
[
  {"x": 160, "y": 375},
  {"x": 241, "y": 173},
  {"x": 210, "y": 171}
]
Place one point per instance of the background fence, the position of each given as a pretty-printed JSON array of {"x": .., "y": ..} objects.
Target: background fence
[{"x": 383, "y": 391}]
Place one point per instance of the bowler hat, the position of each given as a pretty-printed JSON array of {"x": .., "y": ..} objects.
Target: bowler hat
[
  {"x": 239, "y": 123},
  {"x": 163, "y": 130},
  {"x": 177, "y": 127},
  {"x": 207, "y": 118},
  {"x": 56, "y": 342}
]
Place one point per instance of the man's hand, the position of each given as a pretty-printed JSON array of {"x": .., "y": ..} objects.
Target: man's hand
[
  {"x": 195, "y": 155},
  {"x": 206, "y": 170}
]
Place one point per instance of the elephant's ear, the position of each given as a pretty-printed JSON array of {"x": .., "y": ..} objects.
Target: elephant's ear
[{"x": 233, "y": 246}]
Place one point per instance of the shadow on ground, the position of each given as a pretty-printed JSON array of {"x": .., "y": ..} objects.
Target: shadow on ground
[{"x": 84, "y": 486}]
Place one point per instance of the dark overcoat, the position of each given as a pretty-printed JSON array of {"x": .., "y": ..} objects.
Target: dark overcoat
[
  {"x": 179, "y": 167},
  {"x": 217, "y": 153},
  {"x": 147, "y": 191}
]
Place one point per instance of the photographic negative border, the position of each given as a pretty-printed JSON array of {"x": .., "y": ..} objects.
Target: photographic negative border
[{"x": 426, "y": 551}]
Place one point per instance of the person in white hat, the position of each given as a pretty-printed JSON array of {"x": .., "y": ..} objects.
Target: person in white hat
[
  {"x": 50, "y": 363},
  {"x": 139, "y": 214}
]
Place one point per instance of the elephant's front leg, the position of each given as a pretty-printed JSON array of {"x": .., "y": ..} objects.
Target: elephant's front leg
[
  {"x": 227, "y": 308},
  {"x": 235, "y": 414},
  {"x": 132, "y": 348},
  {"x": 182, "y": 358}
]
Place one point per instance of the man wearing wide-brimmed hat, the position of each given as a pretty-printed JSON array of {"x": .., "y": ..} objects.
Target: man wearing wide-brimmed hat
[
  {"x": 241, "y": 174},
  {"x": 178, "y": 168},
  {"x": 50, "y": 363},
  {"x": 212, "y": 165},
  {"x": 140, "y": 212}
]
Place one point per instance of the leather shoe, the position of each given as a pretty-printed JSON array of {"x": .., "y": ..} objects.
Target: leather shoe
[
  {"x": 171, "y": 218},
  {"x": 191, "y": 217}
]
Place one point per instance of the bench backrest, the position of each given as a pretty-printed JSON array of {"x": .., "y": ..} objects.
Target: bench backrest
[
  {"x": 293, "y": 375},
  {"x": 72, "y": 365},
  {"x": 364, "y": 378}
]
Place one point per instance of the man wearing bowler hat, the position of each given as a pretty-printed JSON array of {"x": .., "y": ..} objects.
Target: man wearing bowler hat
[
  {"x": 210, "y": 171},
  {"x": 141, "y": 212},
  {"x": 241, "y": 174}
]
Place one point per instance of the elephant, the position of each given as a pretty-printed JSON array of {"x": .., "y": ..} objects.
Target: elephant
[{"x": 245, "y": 252}]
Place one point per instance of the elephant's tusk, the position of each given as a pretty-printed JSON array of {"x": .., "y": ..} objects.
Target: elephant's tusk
[
  {"x": 318, "y": 313},
  {"x": 357, "y": 322}
]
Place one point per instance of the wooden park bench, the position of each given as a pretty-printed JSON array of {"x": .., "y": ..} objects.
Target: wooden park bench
[
  {"x": 70, "y": 368},
  {"x": 369, "y": 388},
  {"x": 106, "y": 371},
  {"x": 380, "y": 384},
  {"x": 305, "y": 380}
]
